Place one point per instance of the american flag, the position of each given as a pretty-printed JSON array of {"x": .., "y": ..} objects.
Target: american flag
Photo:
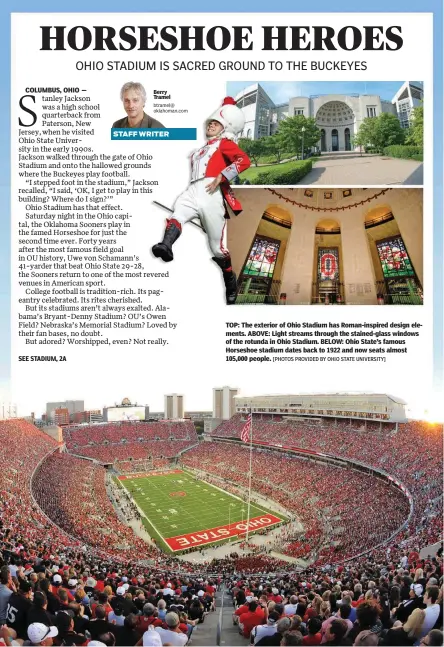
[{"x": 245, "y": 433}]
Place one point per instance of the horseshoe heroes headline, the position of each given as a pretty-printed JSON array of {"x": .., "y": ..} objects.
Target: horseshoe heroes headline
[{"x": 218, "y": 38}]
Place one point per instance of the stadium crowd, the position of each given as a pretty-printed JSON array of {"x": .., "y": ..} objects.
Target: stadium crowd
[
  {"x": 80, "y": 578},
  {"x": 22, "y": 447},
  {"x": 143, "y": 465},
  {"x": 394, "y": 452},
  {"x": 129, "y": 431},
  {"x": 142, "y": 450},
  {"x": 130, "y": 439},
  {"x": 370, "y": 604},
  {"x": 318, "y": 496},
  {"x": 51, "y": 602},
  {"x": 70, "y": 600},
  {"x": 264, "y": 426},
  {"x": 84, "y": 510}
]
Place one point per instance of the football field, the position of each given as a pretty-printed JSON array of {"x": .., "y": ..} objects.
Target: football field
[{"x": 182, "y": 512}]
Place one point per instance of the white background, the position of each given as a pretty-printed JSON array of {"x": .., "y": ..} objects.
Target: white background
[{"x": 195, "y": 360}]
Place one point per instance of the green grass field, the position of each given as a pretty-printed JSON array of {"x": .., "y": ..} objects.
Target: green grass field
[{"x": 186, "y": 511}]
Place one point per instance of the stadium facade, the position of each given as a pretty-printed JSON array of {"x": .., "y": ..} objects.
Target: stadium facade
[
  {"x": 339, "y": 116},
  {"x": 365, "y": 406},
  {"x": 174, "y": 406},
  {"x": 224, "y": 402}
]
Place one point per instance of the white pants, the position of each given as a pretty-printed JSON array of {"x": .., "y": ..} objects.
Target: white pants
[{"x": 196, "y": 202}]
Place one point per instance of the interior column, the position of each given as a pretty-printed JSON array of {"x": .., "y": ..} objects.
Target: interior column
[
  {"x": 298, "y": 264},
  {"x": 359, "y": 278}
]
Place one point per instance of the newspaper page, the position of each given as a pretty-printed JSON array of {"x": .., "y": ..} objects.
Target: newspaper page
[{"x": 195, "y": 195}]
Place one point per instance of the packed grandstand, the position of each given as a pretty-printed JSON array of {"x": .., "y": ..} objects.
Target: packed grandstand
[{"x": 368, "y": 500}]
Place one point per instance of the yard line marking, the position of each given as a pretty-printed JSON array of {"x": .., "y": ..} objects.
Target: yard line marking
[
  {"x": 142, "y": 512},
  {"x": 160, "y": 492}
]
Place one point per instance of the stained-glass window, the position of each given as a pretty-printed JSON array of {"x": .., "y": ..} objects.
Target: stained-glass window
[
  {"x": 394, "y": 258},
  {"x": 328, "y": 264},
  {"x": 262, "y": 258}
]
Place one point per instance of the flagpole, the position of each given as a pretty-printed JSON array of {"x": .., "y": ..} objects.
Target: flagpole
[{"x": 249, "y": 475}]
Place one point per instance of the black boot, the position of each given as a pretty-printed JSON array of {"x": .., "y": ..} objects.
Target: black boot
[
  {"x": 164, "y": 250},
  {"x": 229, "y": 278}
]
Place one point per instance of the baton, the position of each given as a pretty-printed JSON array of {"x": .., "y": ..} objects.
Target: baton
[{"x": 159, "y": 204}]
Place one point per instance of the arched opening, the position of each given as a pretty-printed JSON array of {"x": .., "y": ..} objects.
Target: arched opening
[
  {"x": 396, "y": 280},
  {"x": 328, "y": 285},
  {"x": 337, "y": 118},
  {"x": 260, "y": 278},
  {"x": 323, "y": 141}
]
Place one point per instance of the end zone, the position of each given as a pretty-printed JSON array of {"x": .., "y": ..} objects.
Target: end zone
[
  {"x": 144, "y": 475},
  {"x": 238, "y": 529}
]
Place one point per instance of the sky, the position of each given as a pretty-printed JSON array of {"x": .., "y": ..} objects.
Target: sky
[
  {"x": 421, "y": 405},
  {"x": 281, "y": 92}
]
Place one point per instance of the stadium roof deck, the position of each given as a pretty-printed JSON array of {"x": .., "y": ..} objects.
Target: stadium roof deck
[
  {"x": 323, "y": 394},
  {"x": 255, "y": 86}
]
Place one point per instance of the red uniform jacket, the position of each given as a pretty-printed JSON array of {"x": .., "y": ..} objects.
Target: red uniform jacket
[{"x": 220, "y": 156}]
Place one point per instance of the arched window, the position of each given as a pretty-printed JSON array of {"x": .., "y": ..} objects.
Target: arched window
[
  {"x": 323, "y": 142},
  {"x": 327, "y": 286}
]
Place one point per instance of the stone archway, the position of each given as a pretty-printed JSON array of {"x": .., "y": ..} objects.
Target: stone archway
[{"x": 337, "y": 121}]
